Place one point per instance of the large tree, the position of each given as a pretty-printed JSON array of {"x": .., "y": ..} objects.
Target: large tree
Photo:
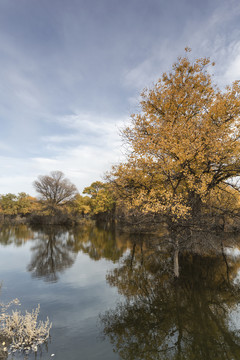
[
  {"x": 184, "y": 144},
  {"x": 55, "y": 188}
]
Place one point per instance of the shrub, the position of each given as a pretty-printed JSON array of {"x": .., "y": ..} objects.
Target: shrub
[{"x": 23, "y": 332}]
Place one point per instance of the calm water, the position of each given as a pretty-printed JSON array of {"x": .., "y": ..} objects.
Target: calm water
[{"x": 113, "y": 296}]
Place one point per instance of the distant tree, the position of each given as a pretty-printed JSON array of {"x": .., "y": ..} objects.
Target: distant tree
[
  {"x": 102, "y": 197},
  {"x": 9, "y": 204},
  {"x": 26, "y": 203},
  {"x": 21, "y": 204},
  {"x": 55, "y": 189},
  {"x": 94, "y": 188},
  {"x": 80, "y": 205}
]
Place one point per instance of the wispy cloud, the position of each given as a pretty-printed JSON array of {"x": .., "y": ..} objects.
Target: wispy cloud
[
  {"x": 215, "y": 35},
  {"x": 90, "y": 147},
  {"x": 87, "y": 129}
]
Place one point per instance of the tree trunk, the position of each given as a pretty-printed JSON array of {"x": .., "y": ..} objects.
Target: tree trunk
[
  {"x": 176, "y": 260},
  {"x": 196, "y": 204}
]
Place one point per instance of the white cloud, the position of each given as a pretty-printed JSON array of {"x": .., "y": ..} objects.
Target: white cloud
[
  {"x": 209, "y": 36},
  {"x": 82, "y": 164},
  {"x": 86, "y": 130},
  {"x": 4, "y": 146},
  {"x": 232, "y": 72},
  {"x": 148, "y": 71},
  {"x": 83, "y": 155}
]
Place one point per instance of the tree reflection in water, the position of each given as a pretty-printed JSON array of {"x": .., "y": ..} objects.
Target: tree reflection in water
[
  {"x": 52, "y": 253},
  {"x": 15, "y": 234},
  {"x": 98, "y": 242},
  {"x": 55, "y": 248},
  {"x": 165, "y": 318}
]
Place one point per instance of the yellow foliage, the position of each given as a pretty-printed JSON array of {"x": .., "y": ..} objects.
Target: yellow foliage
[
  {"x": 80, "y": 204},
  {"x": 102, "y": 198},
  {"x": 184, "y": 142},
  {"x": 22, "y": 203}
]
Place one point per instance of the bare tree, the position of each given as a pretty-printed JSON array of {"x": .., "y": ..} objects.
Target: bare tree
[{"x": 55, "y": 188}]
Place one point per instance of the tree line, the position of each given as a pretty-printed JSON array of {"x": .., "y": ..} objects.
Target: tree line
[{"x": 58, "y": 196}]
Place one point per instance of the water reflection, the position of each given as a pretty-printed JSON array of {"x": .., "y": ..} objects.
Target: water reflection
[
  {"x": 165, "y": 318},
  {"x": 55, "y": 248},
  {"x": 99, "y": 242},
  {"x": 17, "y": 235},
  {"x": 160, "y": 317},
  {"x": 52, "y": 253}
]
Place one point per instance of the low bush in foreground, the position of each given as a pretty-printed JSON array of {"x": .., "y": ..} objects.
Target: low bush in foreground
[{"x": 21, "y": 332}]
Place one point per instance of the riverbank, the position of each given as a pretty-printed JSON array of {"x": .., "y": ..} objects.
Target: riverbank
[{"x": 40, "y": 219}]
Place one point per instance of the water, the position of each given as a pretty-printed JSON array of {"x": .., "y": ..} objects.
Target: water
[
  {"x": 112, "y": 296},
  {"x": 65, "y": 273}
]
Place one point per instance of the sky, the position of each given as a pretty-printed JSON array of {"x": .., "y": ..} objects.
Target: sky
[{"x": 72, "y": 72}]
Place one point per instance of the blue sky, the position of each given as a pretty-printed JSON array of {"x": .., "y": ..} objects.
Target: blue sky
[{"x": 72, "y": 70}]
